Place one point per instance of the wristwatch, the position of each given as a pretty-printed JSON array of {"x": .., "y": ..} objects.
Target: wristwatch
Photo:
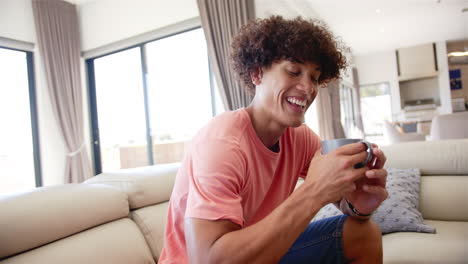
[{"x": 355, "y": 211}]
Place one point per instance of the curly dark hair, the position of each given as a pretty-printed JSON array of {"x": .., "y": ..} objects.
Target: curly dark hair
[{"x": 262, "y": 42}]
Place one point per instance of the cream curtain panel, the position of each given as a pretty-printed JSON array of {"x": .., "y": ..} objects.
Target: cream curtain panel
[
  {"x": 334, "y": 91},
  {"x": 328, "y": 112},
  {"x": 221, "y": 20},
  {"x": 357, "y": 101},
  {"x": 325, "y": 122},
  {"x": 59, "y": 45}
]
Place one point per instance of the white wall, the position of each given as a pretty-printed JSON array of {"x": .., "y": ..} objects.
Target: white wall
[
  {"x": 107, "y": 21},
  {"x": 17, "y": 22},
  {"x": 444, "y": 82},
  {"x": 377, "y": 68}
]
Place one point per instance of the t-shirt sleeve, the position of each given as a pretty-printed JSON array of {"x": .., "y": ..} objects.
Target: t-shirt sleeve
[
  {"x": 313, "y": 143},
  {"x": 216, "y": 181}
]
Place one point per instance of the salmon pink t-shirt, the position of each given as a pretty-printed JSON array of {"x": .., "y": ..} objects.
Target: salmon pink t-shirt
[{"x": 228, "y": 174}]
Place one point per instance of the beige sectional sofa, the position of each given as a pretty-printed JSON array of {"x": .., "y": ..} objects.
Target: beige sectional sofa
[
  {"x": 443, "y": 202},
  {"x": 119, "y": 217},
  {"x": 119, "y": 222}
]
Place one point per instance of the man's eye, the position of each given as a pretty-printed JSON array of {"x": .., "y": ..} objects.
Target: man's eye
[{"x": 294, "y": 73}]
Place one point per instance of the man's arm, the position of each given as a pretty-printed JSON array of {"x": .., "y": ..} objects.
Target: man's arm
[{"x": 268, "y": 240}]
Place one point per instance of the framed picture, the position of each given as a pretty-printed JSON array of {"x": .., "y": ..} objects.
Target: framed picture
[{"x": 455, "y": 79}]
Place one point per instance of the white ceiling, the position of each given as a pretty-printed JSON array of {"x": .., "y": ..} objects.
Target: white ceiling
[{"x": 370, "y": 26}]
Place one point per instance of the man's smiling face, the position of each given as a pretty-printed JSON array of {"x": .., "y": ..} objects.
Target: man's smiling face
[{"x": 286, "y": 89}]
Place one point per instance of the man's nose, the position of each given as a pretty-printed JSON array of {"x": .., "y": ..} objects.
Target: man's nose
[{"x": 307, "y": 85}]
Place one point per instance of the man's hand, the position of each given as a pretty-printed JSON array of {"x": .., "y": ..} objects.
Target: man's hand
[
  {"x": 370, "y": 190},
  {"x": 333, "y": 176}
]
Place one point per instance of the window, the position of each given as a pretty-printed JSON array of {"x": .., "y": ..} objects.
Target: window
[
  {"x": 121, "y": 112},
  {"x": 148, "y": 101},
  {"x": 216, "y": 101},
  {"x": 179, "y": 92},
  {"x": 19, "y": 149},
  {"x": 311, "y": 117},
  {"x": 347, "y": 111},
  {"x": 375, "y": 108}
]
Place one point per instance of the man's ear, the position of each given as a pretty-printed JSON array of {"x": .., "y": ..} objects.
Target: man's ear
[{"x": 256, "y": 76}]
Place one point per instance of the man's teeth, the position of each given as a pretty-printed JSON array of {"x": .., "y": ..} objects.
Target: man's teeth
[{"x": 296, "y": 101}]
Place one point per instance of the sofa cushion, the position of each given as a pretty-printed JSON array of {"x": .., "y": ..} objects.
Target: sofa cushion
[
  {"x": 117, "y": 242},
  {"x": 140, "y": 184},
  {"x": 399, "y": 211},
  {"x": 152, "y": 222},
  {"x": 448, "y": 246},
  {"x": 32, "y": 219},
  {"x": 444, "y": 197},
  {"x": 447, "y": 157}
]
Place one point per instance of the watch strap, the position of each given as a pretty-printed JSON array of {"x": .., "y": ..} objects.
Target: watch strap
[{"x": 354, "y": 210}]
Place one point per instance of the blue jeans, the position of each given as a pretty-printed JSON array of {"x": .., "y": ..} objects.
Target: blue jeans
[{"x": 321, "y": 242}]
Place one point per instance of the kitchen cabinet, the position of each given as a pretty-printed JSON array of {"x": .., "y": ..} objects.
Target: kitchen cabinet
[{"x": 417, "y": 62}]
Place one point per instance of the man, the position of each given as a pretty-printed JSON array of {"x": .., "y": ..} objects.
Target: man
[{"x": 233, "y": 200}]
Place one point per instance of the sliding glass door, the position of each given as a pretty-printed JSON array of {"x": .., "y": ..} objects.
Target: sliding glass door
[
  {"x": 121, "y": 112},
  {"x": 179, "y": 92},
  {"x": 149, "y": 100}
]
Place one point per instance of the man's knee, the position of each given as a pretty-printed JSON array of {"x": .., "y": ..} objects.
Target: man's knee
[
  {"x": 372, "y": 230},
  {"x": 362, "y": 229},
  {"x": 362, "y": 241}
]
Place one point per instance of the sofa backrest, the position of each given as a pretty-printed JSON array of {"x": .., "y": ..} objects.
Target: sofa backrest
[
  {"x": 444, "y": 170},
  {"x": 73, "y": 223},
  {"x": 149, "y": 189}
]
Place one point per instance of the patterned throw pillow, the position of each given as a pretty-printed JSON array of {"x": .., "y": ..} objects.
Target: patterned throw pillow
[{"x": 399, "y": 212}]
